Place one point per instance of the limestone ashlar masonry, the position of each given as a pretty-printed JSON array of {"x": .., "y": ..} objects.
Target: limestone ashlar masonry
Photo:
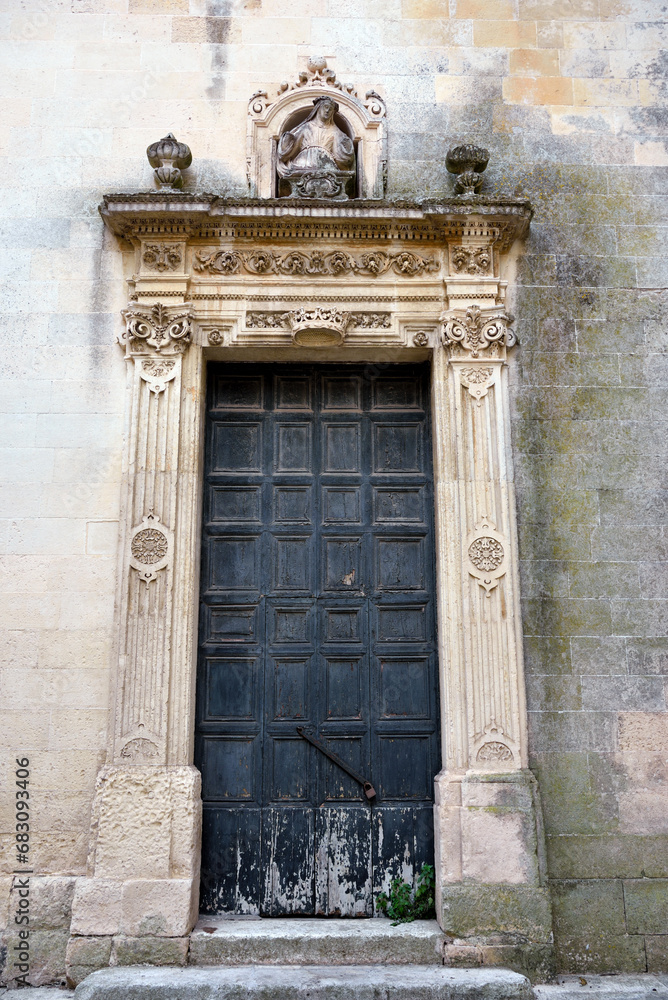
[{"x": 570, "y": 101}]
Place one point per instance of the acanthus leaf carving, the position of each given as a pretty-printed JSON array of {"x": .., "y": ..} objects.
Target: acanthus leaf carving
[
  {"x": 162, "y": 256},
  {"x": 477, "y": 380},
  {"x": 471, "y": 259},
  {"x": 476, "y": 330},
  {"x": 157, "y": 372},
  {"x": 281, "y": 321},
  {"x": 163, "y": 329},
  {"x": 316, "y": 262}
]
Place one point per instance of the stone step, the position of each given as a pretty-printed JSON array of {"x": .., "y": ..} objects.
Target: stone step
[
  {"x": 262, "y": 982},
  {"x": 296, "y": 941}
]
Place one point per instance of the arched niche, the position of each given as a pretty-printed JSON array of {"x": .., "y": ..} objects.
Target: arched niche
[{"x": 363, "y": 120}]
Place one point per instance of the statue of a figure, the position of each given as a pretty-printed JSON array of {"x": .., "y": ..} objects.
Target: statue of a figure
[{"x": 317, "y": 158}]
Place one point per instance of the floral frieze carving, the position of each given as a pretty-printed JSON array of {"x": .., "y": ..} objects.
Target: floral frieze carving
[
  {"x": 476, "y": 330},
  {"x": 281, "y": 321},
  {"x": 331, "y": 263},
  {"x": 161, "y": 329}
]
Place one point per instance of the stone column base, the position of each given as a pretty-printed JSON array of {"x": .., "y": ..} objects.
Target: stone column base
[
  {"x": 143, "y": 883},
  {"x": 492, "y": 900}
]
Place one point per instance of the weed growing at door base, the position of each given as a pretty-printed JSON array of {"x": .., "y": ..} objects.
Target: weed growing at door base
[{"x": 402, "y": 906}]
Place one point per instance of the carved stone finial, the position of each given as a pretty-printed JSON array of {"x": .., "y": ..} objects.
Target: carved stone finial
[
  {"x": 468, "y": 162},
  {"x": 169, "y": 157}
]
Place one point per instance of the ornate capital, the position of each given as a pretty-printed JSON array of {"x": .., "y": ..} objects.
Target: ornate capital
[
  {"x": 156, "y": 330},
  {"x": 477, "y": 331}
]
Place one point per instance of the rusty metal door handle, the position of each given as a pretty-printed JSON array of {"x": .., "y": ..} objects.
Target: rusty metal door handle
[{"x": 369, "y": 790}]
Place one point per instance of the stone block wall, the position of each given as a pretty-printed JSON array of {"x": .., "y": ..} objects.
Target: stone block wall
[{"x": 570, "y": 100}]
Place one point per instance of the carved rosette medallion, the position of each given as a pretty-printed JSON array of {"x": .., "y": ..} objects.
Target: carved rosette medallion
[
  {"x": 486, "y": 550},
  {"x": 150, "y": 547},
  {"x": 160, "y": 329},
  {"x": 476, "y": 331}
]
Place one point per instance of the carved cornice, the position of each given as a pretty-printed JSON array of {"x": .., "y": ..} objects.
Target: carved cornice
[
  {"x": 476, "y": 331},
  {"x": 159, "y": 330},
  {"x": 153, "y": 215}
]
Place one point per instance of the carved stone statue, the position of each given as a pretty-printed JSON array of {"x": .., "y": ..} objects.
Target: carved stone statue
[{"x": 316, "y": 159}]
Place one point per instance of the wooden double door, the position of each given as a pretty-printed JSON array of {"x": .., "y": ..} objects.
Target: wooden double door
[{"x": 317, "y": 619}]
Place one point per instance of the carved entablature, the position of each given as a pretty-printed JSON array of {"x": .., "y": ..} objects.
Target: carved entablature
[
  {"x": 316, "y": 138},
  {"x": 227, "y": 273}
]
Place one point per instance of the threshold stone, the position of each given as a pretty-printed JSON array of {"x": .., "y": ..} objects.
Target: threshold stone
[{"x": 325, "y": 982}]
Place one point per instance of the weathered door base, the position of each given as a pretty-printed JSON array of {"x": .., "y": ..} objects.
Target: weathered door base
[{"x": 261, "y": 280}]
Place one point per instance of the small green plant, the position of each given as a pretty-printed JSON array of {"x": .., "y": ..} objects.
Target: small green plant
[{"x": 402, "y": 905}]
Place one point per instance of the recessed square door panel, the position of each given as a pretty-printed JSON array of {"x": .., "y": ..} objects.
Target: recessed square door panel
[
  {"x": 317, "y": 597},
  {"x": 397, "y": 448},
  {"x": 396, "y": 394},
  {"x": 341, "y": 448},
  {"x": 293, "y": 447},
  {"x": 231, "y": 624},
  {"x": 237, "y": 447},
  {"x": 292, "y": 504},
  {"x": 397, "y": 623},
  {"x": 344, "y": 679},
  {"x": 341, "y": 504},
  {"x": 293, "y": 392},
  {"x": 234, "y": 563},
  {"x": 290, "y": 624},
  {"x": 400, "y": 564},
  {"x": 341, "y": 393},
  {"x": 231, "y": 685},
  {"x": 392, "y": 505},
  {"x": 241, "y": 393},
  {"x": 404, "y": 687},
  {"x": 292, "y": 563},
  {"x": 232, "y": 503},
  {"x": 229, "y": 767},
  {"x": 342, "y": 564}
]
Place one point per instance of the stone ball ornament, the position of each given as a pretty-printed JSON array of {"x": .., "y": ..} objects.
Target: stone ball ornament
[
  {"x": 169, "y": 157},
  {"x": 468, "y": 162}
]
